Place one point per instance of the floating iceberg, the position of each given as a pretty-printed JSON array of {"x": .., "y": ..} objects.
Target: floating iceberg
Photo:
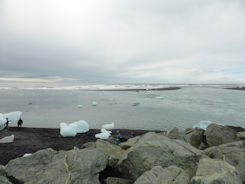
[
  {"x": 108, "y": 126},
  {"x": 81, "y": 126},
  {"x": 79, "y": 106},
  {"x": 13, "y": 117},
  {"x": 94, "y": 103},
  {"x": 159, "y": 97},
  {"x": 67, "y": 130},
  {"x": 202, "y": 124},
  {"x": 104, "y": 134},
  {"x": 71, "y": 130},
  {"x": 7, "y": 139}
]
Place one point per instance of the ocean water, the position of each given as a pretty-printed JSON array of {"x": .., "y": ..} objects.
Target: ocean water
[{"x": 157, "y": 110}]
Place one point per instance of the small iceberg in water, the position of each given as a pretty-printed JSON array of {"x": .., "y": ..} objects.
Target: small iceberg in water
[
  {"x": 79, "y": 106},
  {"x": 94, "y": 103}
]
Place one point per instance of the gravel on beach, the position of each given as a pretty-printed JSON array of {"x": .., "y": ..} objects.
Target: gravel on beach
[{"x": 30, "y": 140}]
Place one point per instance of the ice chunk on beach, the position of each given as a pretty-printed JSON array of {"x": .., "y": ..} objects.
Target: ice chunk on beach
[
  {"x": 79, "y": 106},
  {"x": 103, "y": 135},
  {"x": 109, "y": 126},
  {"x": 7, "y": 139},
  {"x": 13, "y": 117},
  {"x": 27, "y": 154},
  {"x": 81, "y": 126},
  {"x": 202, "y": 124},
  {"x": 94, "y": 103},
  {"x": 71, "y": 130},
  {"x": 105, "y": 131},
  {"x": 2, "y": 121},
  {"x": 67, "y": 130}
]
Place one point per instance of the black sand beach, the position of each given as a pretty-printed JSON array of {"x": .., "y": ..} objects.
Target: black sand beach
[{"x": 30, "y": 140}]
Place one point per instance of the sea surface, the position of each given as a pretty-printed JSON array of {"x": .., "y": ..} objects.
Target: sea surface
[{"x": 44, "y": 106}]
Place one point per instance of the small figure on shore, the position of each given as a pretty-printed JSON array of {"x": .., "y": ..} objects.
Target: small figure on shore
[
  {"x": 7, "y": 124},
  {"x": 20, "y": 123},
  {"x": 118, "y": 137},
  {"x": 133, "y": 134}
]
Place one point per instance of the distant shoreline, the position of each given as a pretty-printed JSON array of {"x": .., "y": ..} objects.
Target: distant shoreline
[
  {"x": 140, "y": 89},
  {"x": 236, "y": 88}
]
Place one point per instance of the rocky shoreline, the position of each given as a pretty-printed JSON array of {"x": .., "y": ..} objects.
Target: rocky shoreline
[{"x": 193, "y": 156}]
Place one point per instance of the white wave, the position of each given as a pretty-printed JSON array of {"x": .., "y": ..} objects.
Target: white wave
[{"x": 120, "y": 86}]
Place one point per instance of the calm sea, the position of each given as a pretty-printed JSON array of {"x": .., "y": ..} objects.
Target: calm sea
[{"x": 161, "y": 110}]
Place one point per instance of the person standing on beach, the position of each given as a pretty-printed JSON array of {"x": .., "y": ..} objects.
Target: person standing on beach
[
  {"x": 118, "y": 137},
  {"x": 7, "y": 124},
  {"x": 20, "y": 123}
]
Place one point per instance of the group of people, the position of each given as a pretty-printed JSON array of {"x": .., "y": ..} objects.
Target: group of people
[
  {"x": 119, "y": 137},
  {"x": 19, "y": 123}
]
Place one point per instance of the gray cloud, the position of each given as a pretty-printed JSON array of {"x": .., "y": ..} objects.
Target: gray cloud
[{"x": 124, "y": 41}]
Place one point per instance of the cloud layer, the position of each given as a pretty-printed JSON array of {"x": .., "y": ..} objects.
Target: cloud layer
[{"x": 187, "y": 41}]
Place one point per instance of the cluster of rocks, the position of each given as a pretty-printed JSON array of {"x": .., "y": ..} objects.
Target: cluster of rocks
[{"x": 193, "y": 156}]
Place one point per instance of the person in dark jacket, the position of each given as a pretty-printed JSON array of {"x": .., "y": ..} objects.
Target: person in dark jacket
[
  {"x": 7, "y": 124},
  {"x": 20, "y": 123}
]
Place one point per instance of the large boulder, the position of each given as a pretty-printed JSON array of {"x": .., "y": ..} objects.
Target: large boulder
[
  {"x": 241, "y": 135},
  {"x": 196, "y": 138},
  {"x": 233, "y": 153},
  {"x": 89, "y": 145},
  {"x": 112, "y": 151},
  {"x": 3, "y": 178},
  {"x": 157, "y": 150},
  {"x": 115, "y": 180},
  {"x": 2, "y": 171},
  {"x": 175, "y": 133},
  {"x": 236, "y": 128},
  {"x": 129, "y": 143},
  {"x": 218, "y": 134},
  {"x": 215, "y": 171},
  {"x": 158, "y": 175},
  {"x": 58, "y": 167}
]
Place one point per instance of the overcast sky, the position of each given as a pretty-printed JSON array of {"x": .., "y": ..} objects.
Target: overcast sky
[{"x": 183, "y": 41}]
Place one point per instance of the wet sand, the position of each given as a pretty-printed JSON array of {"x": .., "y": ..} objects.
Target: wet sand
[{"x": 30, "y": 140}]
